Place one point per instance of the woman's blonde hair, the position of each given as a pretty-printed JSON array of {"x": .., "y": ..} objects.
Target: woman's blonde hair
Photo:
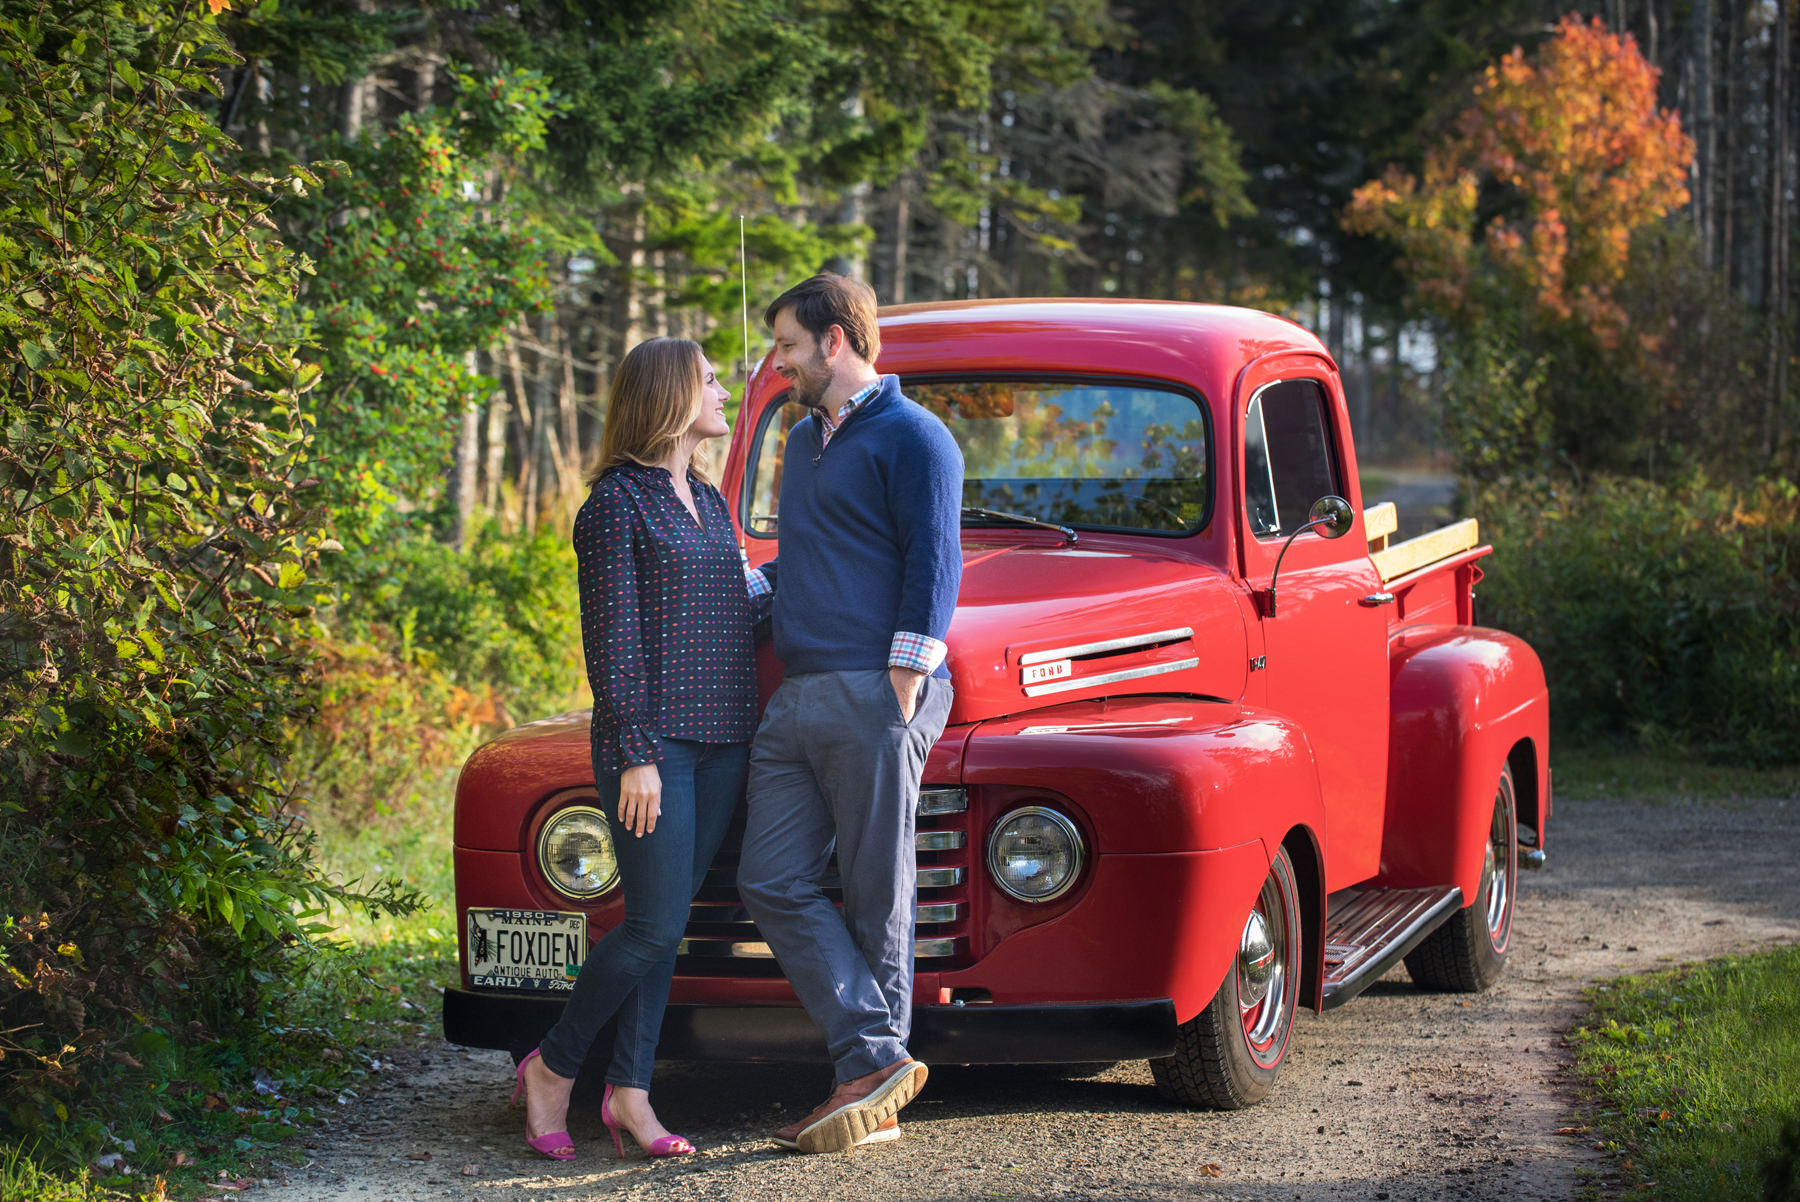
[{"x": 655, "y": 397}]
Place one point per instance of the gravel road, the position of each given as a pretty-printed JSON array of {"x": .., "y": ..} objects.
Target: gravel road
[{"x": 1399, "y": 1095}]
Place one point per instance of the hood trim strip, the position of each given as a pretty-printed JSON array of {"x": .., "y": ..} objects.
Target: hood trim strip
[
  {"x": 1080, "y": 649},
  {"x": 1063, "y": 686}
]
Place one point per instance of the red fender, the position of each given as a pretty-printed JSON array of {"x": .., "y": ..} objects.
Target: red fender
[
  {"x": 1183, "y": 802},
  {"x": 1463, "y": 699}
]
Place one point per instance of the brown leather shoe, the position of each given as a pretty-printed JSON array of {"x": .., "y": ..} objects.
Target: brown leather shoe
[
  {"x": 789, "y": 1136},
  {"x": 856, "y": 1109}
]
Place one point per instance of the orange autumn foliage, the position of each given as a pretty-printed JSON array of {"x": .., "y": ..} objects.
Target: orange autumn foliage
[{"x": 1572, "y": 141}]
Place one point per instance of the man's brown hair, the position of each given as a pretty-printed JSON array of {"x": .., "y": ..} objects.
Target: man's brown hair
[{"x": 829, "y": 299}]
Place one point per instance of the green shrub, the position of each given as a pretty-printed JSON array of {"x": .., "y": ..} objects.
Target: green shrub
[
  {"x": 1669, "y": 614},
  {"x": 154, "y": 554},
  {"x": 430, "y": 651}
]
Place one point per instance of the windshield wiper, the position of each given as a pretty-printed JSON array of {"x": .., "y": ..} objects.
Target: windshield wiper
[{"x": 996, "y": 515}]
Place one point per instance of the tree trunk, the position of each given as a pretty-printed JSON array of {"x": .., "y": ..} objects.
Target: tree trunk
[
  {"x": 630, "y": 290},
  {"x": 461, "y": 484},
  {"x": 902, "y": 232},
  {"x": 424, "y": 80},
  {"x": 356, "y": 97},
  {"x": 1700, "y": 102},
  {"x": 569, "y": 417},
  {"x": 656, "y": 304},
  {"x": 525, "y": 442},
  {"x": 1728, "y": 210},
  {"x": 543, "y": 388},
  {"x": 1775, "y": 253},
  {"x": 495, "y": 467}
]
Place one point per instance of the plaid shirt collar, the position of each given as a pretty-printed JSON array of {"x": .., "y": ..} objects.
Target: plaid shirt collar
[{"x": 828, "y": 425}]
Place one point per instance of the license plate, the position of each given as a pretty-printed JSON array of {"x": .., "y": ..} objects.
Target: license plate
[{"x": 526, "y": 949}]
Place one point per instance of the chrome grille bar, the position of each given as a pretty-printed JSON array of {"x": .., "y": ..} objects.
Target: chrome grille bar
[
  {"x": 722, "y": 914},
  {"x": 703, "y": 948}
]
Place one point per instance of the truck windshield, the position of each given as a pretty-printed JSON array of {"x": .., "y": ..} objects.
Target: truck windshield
[{"x": 1109, "y": 456}]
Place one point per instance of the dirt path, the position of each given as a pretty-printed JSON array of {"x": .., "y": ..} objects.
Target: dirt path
[{"x": 1400, "y": 1095}]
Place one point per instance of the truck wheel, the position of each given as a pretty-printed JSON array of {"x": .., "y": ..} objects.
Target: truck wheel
[
  {"x": 1466, "y": 954},
  {"x": 1226, "y": 1057}
]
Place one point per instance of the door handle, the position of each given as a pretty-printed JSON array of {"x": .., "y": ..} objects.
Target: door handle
[{"x": 1374, "y": 599}]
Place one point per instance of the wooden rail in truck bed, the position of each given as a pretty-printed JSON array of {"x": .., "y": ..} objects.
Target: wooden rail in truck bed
[{"x": 1392, "y": 562}]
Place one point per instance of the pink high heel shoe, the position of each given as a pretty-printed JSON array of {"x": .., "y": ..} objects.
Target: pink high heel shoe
[
  {"x": 556, "y": 1144},
  {"x": 668, "y": 1145}
]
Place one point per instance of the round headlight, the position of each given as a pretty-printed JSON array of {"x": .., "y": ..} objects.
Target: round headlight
[
  {"x": 1035, "y": 854},
  {"x": 575, "y": 852}
]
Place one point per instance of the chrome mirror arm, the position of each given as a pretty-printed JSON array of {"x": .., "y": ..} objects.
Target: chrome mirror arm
[{"x": 1331, "y": 512}]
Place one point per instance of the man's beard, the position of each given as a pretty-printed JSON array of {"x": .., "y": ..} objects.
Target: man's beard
[{"x": 809, "y": 383}]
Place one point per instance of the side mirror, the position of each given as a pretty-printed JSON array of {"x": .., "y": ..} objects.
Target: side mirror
[{"x": 1332, "y": 517}]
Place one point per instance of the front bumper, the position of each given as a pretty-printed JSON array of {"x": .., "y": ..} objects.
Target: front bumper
[{"x": 981, "y": 1034}]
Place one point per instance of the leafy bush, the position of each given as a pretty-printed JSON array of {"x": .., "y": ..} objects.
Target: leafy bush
[
  {"x": 1666, "y": 613},
  {"x": 429, "y": 651},
  {"x": 154, "y": 554},
  {"x": 412, "y": 275}
]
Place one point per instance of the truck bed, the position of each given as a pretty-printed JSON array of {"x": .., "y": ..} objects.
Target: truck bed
[{"x": 1432, "y": 576}]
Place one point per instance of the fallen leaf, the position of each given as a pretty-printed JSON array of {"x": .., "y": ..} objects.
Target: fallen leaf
[
  {"x": 418, "y": 1156},
  {"x": 1209, "y": 1170},
  {"x": 181, "y": 1158},
  {"x": 471, "y": 1170}
]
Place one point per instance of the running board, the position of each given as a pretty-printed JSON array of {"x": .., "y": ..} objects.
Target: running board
[{"x": 1369, "y": 929}]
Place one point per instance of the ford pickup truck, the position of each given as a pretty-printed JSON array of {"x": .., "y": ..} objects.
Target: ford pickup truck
[{"x": 1220, "y": 749}]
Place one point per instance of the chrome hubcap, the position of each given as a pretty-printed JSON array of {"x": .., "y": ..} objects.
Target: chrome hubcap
[
  {"x": 1256, "y": 960},
  {"x": 1496, "y": 872},
  {"x": 1262, "y": 975}
]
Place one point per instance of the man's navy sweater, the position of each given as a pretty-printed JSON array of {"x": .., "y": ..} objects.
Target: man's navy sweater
[{"x": 870, "y": 536}]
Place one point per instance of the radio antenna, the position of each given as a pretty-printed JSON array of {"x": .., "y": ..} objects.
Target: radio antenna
[{"x": 744, "y": 296}]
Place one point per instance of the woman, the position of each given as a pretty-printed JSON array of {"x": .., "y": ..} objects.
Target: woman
[{"x": 666, "y": 627}]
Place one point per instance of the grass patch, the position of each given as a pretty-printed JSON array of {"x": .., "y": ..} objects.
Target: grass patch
[
  {"x": 1601, "y": 774},
  {"x": 23, "y": 1179},
  {"x": 1695, "y": 1071}
]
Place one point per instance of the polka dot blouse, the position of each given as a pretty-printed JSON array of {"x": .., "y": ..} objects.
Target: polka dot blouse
[{"x": 665, "y": 618}]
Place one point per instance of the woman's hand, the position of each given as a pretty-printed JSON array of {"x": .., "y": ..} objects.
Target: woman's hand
[{"x": 640, "y": 798}]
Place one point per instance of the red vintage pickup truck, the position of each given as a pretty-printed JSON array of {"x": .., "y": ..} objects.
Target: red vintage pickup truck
[{"x": 1218, "y": 750}]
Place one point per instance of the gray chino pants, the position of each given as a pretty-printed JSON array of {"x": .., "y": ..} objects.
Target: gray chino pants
[{"x": 833, "y": 764}]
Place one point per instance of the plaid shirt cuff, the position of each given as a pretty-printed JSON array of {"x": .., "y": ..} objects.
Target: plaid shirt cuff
[
  {"x": 920, "y": 652},
  {"x": 757, "y": 583}
]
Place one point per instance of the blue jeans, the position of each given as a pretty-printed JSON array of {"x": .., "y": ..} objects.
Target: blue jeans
[{"x": 628, "y": 972}]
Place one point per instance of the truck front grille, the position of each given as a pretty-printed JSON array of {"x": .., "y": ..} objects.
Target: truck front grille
[{"x": 722, "y": 941}]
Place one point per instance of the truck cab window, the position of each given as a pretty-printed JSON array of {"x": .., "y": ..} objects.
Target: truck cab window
[
  {"x": 1113, "y": 456},
  {"x": 1289, "y": 459}
]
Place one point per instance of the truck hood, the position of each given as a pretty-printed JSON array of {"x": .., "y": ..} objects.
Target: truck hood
[{"x": 1038, "y": 626}]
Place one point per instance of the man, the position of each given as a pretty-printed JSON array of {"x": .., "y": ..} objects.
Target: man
[{"x": 870, "y": 562}]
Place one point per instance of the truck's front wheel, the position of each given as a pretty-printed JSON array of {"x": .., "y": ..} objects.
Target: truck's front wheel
[
  {"x": 1466, "y": 954},
  {"x": 1226, "y": 1057}
]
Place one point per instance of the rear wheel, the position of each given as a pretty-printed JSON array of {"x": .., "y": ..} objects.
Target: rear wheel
[
  {"x": 1467, "y": 953},
  {"x": 1227, "y": 1056}
]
